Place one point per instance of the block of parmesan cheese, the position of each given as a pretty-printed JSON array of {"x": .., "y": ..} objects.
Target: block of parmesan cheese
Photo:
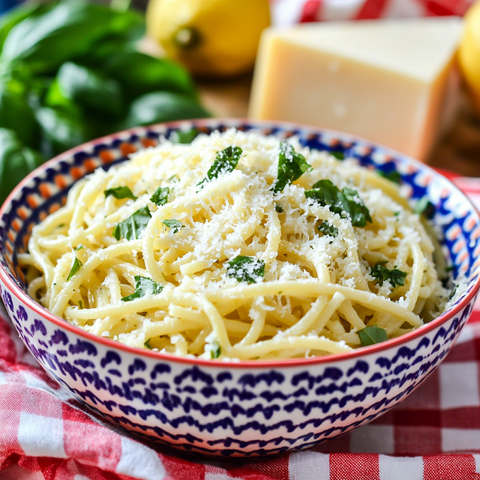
[{"x": 386, "y": 80}]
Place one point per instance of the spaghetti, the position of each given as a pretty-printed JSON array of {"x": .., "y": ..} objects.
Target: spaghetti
[{"x": 236, "y": 246}]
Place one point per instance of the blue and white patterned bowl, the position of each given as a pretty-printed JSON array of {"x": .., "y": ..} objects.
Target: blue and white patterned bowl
[{"x": 238, "y": 408}]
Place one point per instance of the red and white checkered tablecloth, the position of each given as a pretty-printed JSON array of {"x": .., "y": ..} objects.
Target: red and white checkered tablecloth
[{"x": 433, "y": 435}]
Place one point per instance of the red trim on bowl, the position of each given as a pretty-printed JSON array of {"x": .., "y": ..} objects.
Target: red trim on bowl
[{"x": 298, "y": 362}]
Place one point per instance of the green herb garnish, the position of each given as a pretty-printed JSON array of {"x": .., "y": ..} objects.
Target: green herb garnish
[
  {"x": 345, "y": 202},
  {"x": 383, "y": 274},
  {"x": 216, "y": 350},
  {"x": 75, "y": 268},
  {"x": 119, "y": 193},
  {"x": 147, "y": 344},
  {"x": 393, "y": 176},
  {"x": 291, "y": 166},
  {"x": 338, "y": 155},
  {"x": 246, "y": 269},
  {"x": 178, "y": 136},
  {"x": 160, "y": 197},
  {"x": 328, "y": 229},
  {"x": 372, "y": 335},
  {"x": 225, "y": 162},
  {"x": 80, "y": 247},
  {"x": 143, "y": 286},
  {"x": 133, "y": 227},
  {"x": 279, "y": 208},
  {"x": 425, "y": 207},
  {"x": 173, "y": 225},
  {"x": 80, "y": 304}
]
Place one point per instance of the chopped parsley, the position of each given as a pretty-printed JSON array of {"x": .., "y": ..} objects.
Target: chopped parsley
[
  {"x": 279, "y": 208},
  {"x": 246, "y": 269},
  {"x": 345, "y": 202},
  {"x": 133, "y": 227},
  {"x": 77, "y": 264},
  {"x": 179, "y": 136},
  {"x": 225, "y": 162},
  {"x": 393, "y": 176},
  {"x": 119, "y": 193},
  {"x": 160, "y": 197},
  {"x": 216, "y": 349},
  {"x": 383, "y": 274},
  {"x": 291, "y": 166},
  {"x": 425, "y": 207},
  {"x": 80, "y": 247},
  {"x": 328, "y": 229},
  {"x": 173, "y": 225},
  {"x": 80, "y": 304},
  {"x": 147, "y": 344},
  {"x": 143, "y": 286},
  {"x": 372, "y": 335},
  {"x": 338, "y": 155}
]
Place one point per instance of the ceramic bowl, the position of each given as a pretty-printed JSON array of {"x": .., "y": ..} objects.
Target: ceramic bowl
[{"x": 242, "y": 408}]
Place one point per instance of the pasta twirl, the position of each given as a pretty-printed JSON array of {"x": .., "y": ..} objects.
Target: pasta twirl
[{"x": 236, "y": 246}]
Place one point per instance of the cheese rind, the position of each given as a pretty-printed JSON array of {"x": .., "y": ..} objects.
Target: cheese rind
[{"x": 382, "y": 80}]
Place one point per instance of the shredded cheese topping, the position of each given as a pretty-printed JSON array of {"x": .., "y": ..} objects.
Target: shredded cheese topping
[{"x": 174, "y": 277}]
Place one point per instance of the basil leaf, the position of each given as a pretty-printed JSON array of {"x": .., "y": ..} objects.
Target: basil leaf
[
  {"x": 291, "y": 166},
  {"x": 216, "y": 349},
  {"x": 173, "y": 225},
  {"x": 178, "y": 136},
  {"x": 279, "y": 208},
  {"x": 16, "y": 161},
  {"x": 425, "y": 207},
  {"x": 67, "y": 30},
  {"x": 225, "y": 162},
  {"x": 140, "y": 74},
  {"x": 119, "y": 193},
  {"x": 90, "y": 89},
  {"x": 144, "y": 286},
  {"x": 372, "y": 335},
  {"x": 160, "y": 196},
  {"x": 61, "y": 130},
  {"x": 75, "y": 268},
  {"x": 133, "y": 227},
  {"x": 393, "y": 176},
  {"x": 15, "y": 111},
  {"x": 160, "y": 107},
  {"x": 328, "y": 229},
  {"x": 383, "y": 274},
  {"x": 246, "y": 269},
  {"x": 343, "y": 202}
]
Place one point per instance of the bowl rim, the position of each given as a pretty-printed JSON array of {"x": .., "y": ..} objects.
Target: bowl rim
[{"x": 236, "y": 363}]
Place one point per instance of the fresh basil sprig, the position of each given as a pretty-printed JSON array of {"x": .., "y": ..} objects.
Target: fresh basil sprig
[
  {"x": 225, "y": 162},
  {"x": 328, "y": 229},
  {"x": 173, "y": 225},
  {"x": 344, "y": 202},
  {"x": 160, "y": 196},
  {"x": 143, "y": 286},
  {"x": 382, "y": 274},
  {"x": 291, "y": 166},
  {"x": 77, "y": 264},
  {"x": 133, "y": 227},
  {"x": 372, "y": 335},
  {"x": 119, "y": 193},
  {"x": 246, "y": 269}
]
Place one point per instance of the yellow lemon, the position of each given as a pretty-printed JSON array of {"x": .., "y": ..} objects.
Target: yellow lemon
[
  {"x": 210, "y": 37},
  {"x": 469, "y": 52}
]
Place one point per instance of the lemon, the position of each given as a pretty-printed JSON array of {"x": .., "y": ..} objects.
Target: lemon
[
  {"x": 469, "y": 52},
  {"x": 213, "y": 38}
]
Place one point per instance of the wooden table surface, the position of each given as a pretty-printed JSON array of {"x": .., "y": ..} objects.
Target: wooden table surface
[{"x": 457, "y": 150}]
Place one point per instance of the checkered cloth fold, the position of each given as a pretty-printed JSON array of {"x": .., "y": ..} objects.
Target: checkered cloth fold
[{"x": 434, "y": 434}]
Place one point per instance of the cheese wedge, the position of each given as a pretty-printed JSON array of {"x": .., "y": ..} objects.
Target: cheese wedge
[{"x": 386, "y": 80}]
